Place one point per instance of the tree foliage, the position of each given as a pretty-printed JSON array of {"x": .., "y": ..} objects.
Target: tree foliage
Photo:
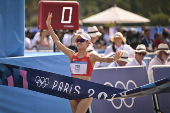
[{"x": 155, "y": 10}]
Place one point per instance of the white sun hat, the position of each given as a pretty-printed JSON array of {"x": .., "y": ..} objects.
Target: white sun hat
[
  {"x": 118, "y": 34},
  {"x": 93, "y": 31},
  {"x": 124, "y": 57},
  {"x": 140, "y": 48},
  {"x": 84, "y": 36},
  {"x": 80, "y": 31},
  {"x": 163, "y": 47}
]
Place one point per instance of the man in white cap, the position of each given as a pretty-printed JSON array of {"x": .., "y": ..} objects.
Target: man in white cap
[
  {"x": 140, "y": 52},
  {"x": 94, "y": 34},
  {"x": 160, "y": 59},
  {"x": 122, "y": 61}
]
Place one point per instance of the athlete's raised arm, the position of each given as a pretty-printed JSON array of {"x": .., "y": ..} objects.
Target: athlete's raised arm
[{"x": 56, "y": 40}]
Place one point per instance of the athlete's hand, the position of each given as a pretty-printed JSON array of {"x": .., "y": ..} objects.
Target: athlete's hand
[
  {"x": 48, "y": 21},
  {"x": 117, "y": 56}
]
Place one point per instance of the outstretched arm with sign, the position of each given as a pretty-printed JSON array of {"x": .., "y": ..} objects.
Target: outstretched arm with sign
[{"x": 81, "y": 63}]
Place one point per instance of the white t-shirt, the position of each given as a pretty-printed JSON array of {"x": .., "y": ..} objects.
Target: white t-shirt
[
  {"x": 27, "y": 43},
  {"x": 154, "y": 61},
  {"x": 134, "y": 62},
  {"x": 122, "y": 47},
  {"x": 67, "y": 39},
  {"x": 96, "y": 65},
  {"x": 90, "y": 47},
  {"x": 36, "y": 37},
  {"x": 114, "y": 64}
]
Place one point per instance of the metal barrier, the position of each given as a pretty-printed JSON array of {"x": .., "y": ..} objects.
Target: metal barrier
[{"x": 162, "y": 100}]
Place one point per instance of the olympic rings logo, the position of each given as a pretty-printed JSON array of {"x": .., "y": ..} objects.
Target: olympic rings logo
[
  {"x": 123, "y": 99},
  {"x": 41, "y": 81}
]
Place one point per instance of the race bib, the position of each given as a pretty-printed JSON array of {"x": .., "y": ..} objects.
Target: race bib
[
  {"x": 78, "y": 67},
  {"x": 150, "y": 46}
]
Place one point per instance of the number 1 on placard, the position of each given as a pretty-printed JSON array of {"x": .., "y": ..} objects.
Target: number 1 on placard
[{"x": 62, "y": 19}]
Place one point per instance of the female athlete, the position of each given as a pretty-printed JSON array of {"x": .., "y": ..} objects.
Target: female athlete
[{"x": 81, "y": 63}]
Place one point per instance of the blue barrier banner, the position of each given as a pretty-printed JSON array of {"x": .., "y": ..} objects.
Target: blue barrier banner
[
  {"x": 160, "y": 72},
  {"x": 68, "y": 87},
  {"x": 53, "y": 84},
  {"x": 20, "y": 100},
  {"x": 51, "y": 62},
  {"x": 12, "y": 25},
  {"x": 127, "y": 78}
]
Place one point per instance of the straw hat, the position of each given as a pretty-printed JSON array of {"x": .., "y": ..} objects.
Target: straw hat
[
  {"x": 118, "y": 34},
  {"x": 124, "y": 57},
  {"x": 93, "y": 31},
  {"x": 140, "y": 48},
  {"x": 163, "y": 47}
]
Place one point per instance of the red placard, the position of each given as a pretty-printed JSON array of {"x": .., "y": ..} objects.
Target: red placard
[{"x": 65, "y": 14}]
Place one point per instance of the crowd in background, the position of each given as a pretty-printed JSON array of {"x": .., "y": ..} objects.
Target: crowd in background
[
  {"x": 131, "y": 43},
  {"x": 132, "y": 36}
]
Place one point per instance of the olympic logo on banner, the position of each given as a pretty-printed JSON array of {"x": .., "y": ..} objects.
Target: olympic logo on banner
[
  {"x": 123, "y": 99},
  {"x": 41, "y": 81}
]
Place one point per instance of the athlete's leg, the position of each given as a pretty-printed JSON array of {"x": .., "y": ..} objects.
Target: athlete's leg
[
  {"x": 83, "y": 105},
  {"x": 73, "y": 104}
]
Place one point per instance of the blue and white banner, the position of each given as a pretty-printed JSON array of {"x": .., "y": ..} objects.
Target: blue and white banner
[
  {"x": 125, "y": 78},
  {"x": 71, "y": 88}
]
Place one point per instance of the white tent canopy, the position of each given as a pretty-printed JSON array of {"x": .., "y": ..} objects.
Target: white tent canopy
[{"x": 115, "y": 14}]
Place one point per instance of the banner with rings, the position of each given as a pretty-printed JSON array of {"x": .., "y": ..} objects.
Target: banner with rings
[
  {"x": 73, "y": 88},
  {"x": 128, "y": 78}
]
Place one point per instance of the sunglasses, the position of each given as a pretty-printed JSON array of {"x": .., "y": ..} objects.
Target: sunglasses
[
  {"x": 143, "y": 54},
  {"x": 80, "y": 40}
]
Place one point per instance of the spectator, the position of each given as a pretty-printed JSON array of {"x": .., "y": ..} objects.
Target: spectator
[
  {"x": 160, "y": 59},
  {"x": 35, "y": 38},
  {"x": 106, "y": 36},
  {"x": 60, "y": 35},
  {"x": 158, "y": 39},
  {"x": 118, "y": 43},
  {"x": 42, "y": 41},
  {"x": 140, "y": 52},
  {"x": 122, "y": 61},
  {"x": 94, "y": 34},
  {"x": 124, "y": 31},
  {"x": 147, "y": 41},
  {"x": 118, "y": 29},
  {"x": 169, "y": 36},
  {"x": 100, "y": 43},
  {"x": 133, "y": 38},
  {"x": 143, "y": 29},
  {"x": 79, "y": 31},
  {"x": 28, "y": 45},
  {"x": 165, "y": 34},
  {"x": 67, "y": 38},
  {"x": 129, "y": 37}
]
